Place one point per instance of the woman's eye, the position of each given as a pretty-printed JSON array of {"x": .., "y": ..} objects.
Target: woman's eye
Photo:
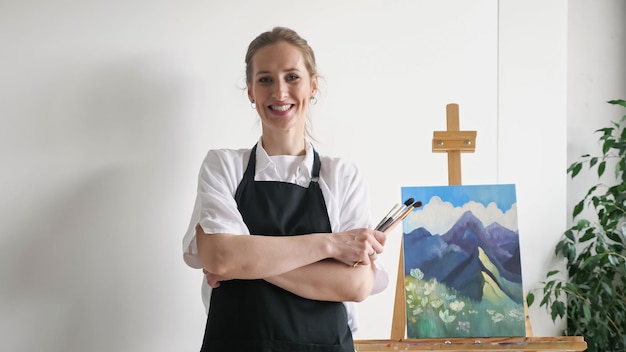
[
  {"x": 265, "y": 80},
  {"x": 292, "y": 77}
]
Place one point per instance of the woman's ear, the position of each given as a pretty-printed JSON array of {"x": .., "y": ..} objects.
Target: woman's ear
[
  {"x": 250, "y": 97},
  {"x": 313, "y": 85}
]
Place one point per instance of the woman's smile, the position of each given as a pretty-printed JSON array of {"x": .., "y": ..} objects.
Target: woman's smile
[{"x": 281, "y": 108}]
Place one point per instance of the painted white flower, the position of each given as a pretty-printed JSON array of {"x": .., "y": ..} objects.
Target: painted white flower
[
  {"x": 417, "y": 273},
  {"x": 429, "y": 287},
  {"x": 464, "y": 326},
  {"x": 457, "y": 305},
  {"x": 410, "y": 299},
  {"x": 516, "y": 314},
  {"x": 436, "y": 303},
  {"x": 497, "y": 317},
  {"x": 446, "y": 317},
  {"x": 411, "y": 287}
]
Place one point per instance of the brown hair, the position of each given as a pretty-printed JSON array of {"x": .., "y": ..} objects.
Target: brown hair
[{"x": 277, "y": 35}]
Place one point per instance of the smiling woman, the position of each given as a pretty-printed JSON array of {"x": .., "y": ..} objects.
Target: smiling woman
[{"x": 276, "y": 228}]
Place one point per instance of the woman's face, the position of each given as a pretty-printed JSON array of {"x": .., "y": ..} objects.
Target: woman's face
[{"x": 281, "y": 87}]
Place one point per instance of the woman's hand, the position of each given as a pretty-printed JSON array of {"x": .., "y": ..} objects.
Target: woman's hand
[
  {"x": 212, "y": 279},
  {"x": 360, "y": 246}
]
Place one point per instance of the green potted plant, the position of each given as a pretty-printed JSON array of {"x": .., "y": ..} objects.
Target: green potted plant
[{"x": 591, "y": 296}]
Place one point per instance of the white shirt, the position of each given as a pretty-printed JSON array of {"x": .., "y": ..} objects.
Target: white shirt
[{"x": 344, "y": 191}]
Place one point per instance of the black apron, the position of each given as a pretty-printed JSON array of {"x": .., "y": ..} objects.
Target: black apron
[{"x": 256, "y": 316}]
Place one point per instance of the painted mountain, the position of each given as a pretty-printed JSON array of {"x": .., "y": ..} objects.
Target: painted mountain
[{"x": 462, "y": 263}]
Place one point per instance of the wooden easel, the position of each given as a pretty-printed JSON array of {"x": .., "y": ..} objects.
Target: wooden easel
[{"x": 454, "y": 142}]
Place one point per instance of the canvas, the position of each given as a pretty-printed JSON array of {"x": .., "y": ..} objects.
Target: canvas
[{"x": 462, "y": 269}]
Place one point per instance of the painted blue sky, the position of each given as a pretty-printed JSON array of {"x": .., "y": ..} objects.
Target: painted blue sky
[{"x": 504, "y": 198}]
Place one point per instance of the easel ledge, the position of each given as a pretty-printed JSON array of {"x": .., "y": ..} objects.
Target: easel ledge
[{"x": 561, "y": 343}]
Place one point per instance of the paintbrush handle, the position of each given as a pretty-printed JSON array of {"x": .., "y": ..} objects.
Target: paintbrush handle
[
  {"x": 391, "y": 226},
  {"x": 398, "y": 220}
]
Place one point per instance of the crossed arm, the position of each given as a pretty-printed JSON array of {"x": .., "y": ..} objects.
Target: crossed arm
[{"x": 314, "y": 266}]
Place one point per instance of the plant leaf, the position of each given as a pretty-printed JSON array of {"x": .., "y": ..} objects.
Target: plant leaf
[
  {"x": 582, "y": 224},
  {"x": 601, "y": 168},
  {"x": 569, "y": 235},
  {"x": 530, "y": 298},
  {"x": 607, "y": 288},
  {"x": 578, "y": 208},
  {"x": 587, "y": 312},
  {"x": 618, "y": 145},
  {"x": 575, "y": 168},
  {"x": 586, "y": 262},
  {"x": 618, "y": 102},
  {"x": 614, "y": 237},
  {"x": 558, "y": 308},
  {"x": 588, "y": 235},
  {"x": 553, "y": 272}
]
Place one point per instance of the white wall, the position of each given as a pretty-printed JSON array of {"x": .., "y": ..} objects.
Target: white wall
[
  {"x": 108, "y": 108},
  {"x": 532, "y": 116},
  {"x": 596, "y": 74}
]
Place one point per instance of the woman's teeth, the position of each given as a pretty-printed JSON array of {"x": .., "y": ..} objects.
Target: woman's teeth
[{"x": 280, "y": 107}]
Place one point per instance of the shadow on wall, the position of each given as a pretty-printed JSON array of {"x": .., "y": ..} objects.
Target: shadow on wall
[{"x": 84, "y": 246}]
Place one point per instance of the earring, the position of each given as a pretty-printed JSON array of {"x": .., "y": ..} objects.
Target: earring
[
  {"x": 313, "y": 100},
  {"x": 252, "y": 104}
]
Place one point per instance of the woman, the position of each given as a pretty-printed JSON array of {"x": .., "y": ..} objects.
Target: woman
[{"x": 292, "y": 285}]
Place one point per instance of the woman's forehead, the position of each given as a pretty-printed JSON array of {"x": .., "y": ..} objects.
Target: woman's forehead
[{"x": 278, "y": 57}]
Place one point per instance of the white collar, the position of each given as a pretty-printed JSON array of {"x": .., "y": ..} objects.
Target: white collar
[{"x": 263, "y": 161}]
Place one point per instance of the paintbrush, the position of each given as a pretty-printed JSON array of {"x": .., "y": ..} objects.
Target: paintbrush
[
  {"x": 393, "y": 217},
  {"x": 400, "y": 217},
  {"x": 393, "y": 213}
]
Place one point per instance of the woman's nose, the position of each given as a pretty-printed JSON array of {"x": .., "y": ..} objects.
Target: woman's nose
[{"x": 280, "y": 90}]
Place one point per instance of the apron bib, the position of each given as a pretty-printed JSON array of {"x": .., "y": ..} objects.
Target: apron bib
[{"x": 256, "y": 316}]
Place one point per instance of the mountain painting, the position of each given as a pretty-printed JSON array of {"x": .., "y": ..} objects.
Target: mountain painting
[{"x": 462, "y": 269}]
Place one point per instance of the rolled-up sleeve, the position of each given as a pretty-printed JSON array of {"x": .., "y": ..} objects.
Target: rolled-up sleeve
[{"x": 215, "y": 208}]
